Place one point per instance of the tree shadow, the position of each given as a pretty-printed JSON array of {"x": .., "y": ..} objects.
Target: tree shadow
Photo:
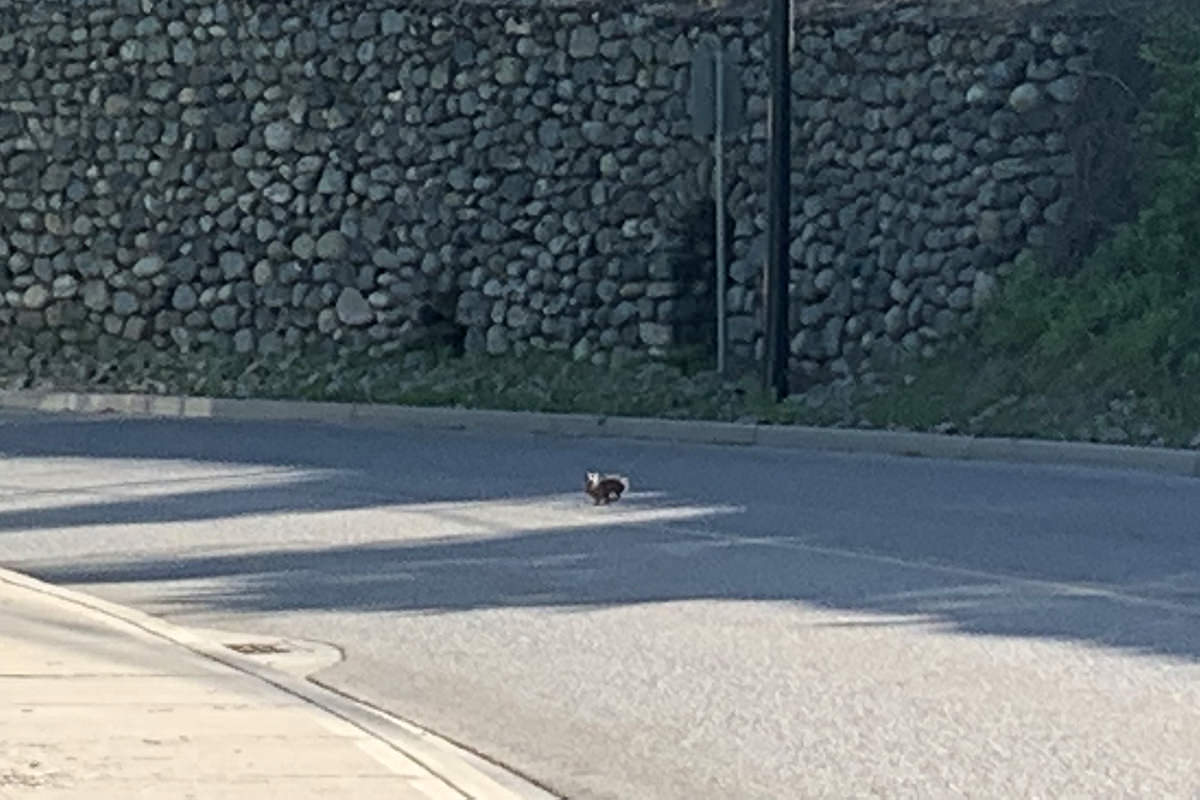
[{"x": 1088, "y": 556}]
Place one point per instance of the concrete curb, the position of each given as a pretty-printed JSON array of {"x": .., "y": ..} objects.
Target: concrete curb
[
  {"x": 461, "y": 769},
  {"x": 928, "y": 445}
]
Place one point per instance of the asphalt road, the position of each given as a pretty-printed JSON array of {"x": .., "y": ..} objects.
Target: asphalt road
[{"x": 747, "y": 623}]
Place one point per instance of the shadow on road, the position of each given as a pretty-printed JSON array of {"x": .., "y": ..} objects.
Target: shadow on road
[{"x": 1105, "y": 558}]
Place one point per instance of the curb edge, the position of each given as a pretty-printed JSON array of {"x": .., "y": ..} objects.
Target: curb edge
[
  {"x": 847, "y": 440},
  {"x": 465, "y": 771}
]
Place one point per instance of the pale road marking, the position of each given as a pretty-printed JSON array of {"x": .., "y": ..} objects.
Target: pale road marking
[
  {"x": 203, "y": 478},
  {"x": 1064, "y": 588}
]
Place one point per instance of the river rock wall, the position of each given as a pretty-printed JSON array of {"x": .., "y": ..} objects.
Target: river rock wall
[{"x": 256, "y": 177}]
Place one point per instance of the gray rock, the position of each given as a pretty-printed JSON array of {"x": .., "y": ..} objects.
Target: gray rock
[
  {"x": 134, "y": 328},
  {"x": 184, "y": 298},
  {"x": 741, "y": 328},
  {"x": 983, "y": 289},
  {"x": 497, "y": 342},
  {"x": 1025, "y": 98},
  {"x": 625, "y": 311},
  {"x": 654, "y": 334},
  {"x": 1044, "y": 71},
  {"x": 327, "y": 321},
  {"x": 224, "y": 317},
  {"x": 35, "y": 297},
  {"x": 472, "y": 309},
  {"x": 184, "y": 52},
  {"x": 960, "y": 298},
  {"x": 989, "y": 227},
  {"x": 243, "y": 341},
  {"x": 944, "y": 322},
  {"x": 148, "y": 266},
  {"x": 831, "y": 336},
  {"x": 509, "y": 71},
  {"x": 331, "y": 246},
  {"x": 799, "y": 343},
  {"x": 978, "y": 94},
  {"x": 270, "y": 343},
  {"x": 65, "y": 286},
  {"x": 825, "y": 280},
  {"x": 391, "y": 22},
  {"x": 353, "y": 309},
  {"x": 680, "y": 52},
  {"x": 279, "y": 136},
  {"x": 304, "y": 247},
  {"x": 124, "y": 304},
  {"x": 550, "y": 133},
  {"x": 895, "y": 321},
  {"x": 263, "y": 273},
  {"x": 332, "y": 181},
  {"x": 584, "y": 42},
  {"x": 517, "y": 317},
  {"x": 594, "y": 132},
  {"x": 899, "y": 291},
  {"x": 278, "y": 193},
  {"x": 364, "y": 26},
  {"x": 515, "y": 188},
  {"x": 1066, "y": 90},
  {"x": 56, "y": 177},
  {"x": 607, "y": 290},
  {"x": 95, "y": 295},
  {"x": 233, "y": 265}
]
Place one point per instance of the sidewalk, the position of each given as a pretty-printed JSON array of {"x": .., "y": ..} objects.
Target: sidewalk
[{"x": 92, "y": 707}]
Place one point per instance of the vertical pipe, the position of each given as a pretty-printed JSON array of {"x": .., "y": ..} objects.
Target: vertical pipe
[
  {"x": 719, "y": 199},
  {"x": 778, "y": 197}
]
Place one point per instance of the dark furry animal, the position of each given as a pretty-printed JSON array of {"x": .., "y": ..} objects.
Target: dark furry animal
[{"x": 604, "y": 488}]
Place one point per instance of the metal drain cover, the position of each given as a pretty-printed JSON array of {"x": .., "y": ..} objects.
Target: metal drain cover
[{"x": 258, "y": 648}]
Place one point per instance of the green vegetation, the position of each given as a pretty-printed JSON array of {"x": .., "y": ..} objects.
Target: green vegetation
[
  {"x": 1117, "y": 342},
  {"x": 534, "y": 381}
]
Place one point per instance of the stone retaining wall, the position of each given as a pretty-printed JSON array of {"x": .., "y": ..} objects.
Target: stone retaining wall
[
  {"x": 376, "y": 176},
  {"x": 925, "y": 159}
]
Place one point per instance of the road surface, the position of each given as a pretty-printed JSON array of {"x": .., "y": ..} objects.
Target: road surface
[{"x": 746, "y": 623}]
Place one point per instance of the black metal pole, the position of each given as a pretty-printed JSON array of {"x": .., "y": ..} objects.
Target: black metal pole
[{"x": 779, "y": 210}]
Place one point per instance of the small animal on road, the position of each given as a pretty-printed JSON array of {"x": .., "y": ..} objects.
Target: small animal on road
[{"x": 605, "y": 488}]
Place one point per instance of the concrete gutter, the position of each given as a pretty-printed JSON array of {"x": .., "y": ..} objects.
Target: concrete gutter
[
  {"x": 928, "y": 445},
  {"x": 469, "y": 774}
]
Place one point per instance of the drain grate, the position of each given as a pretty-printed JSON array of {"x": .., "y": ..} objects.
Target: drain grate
[{"x": 257, "y": 648}]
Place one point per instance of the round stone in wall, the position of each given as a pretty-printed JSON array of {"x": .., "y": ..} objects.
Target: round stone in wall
[
  {"x": 497, "y": 340},
  {"x": 304, "y": 247},
  {"x": 1024, "y": 98},
  {"x": 124, "y": 304},
  {"x": 327, "y": 320},
  {"x": 331, "y": 246},
  {"x": 36, "y": 296},
  {"x": 224, "y": 318},
  {"x": 184, "y": 298},
  {"x": 148, "y": 266},
  {"x": 95, "y": 295},
  {"x": 243, "y": 341},
  {"x": 279, "y": 136},
  {"x": 353, "y": 309}
]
